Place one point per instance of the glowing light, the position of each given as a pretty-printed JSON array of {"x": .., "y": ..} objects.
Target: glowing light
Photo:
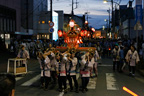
[
  {"x": 105, "y": 1},
  {"x": 129, "y": 91},
  {"x": 78, "y": 29},
  {"x": 60, "y": 33},
  {"x": 43, "y": 22},
  {"x": 71, "y": 23},
  {"x": 82, "y": 33},
  {"x": 85, "y": 32},
  {"x": 86, "y": 22},
  {"x": 93, "y": 29}
]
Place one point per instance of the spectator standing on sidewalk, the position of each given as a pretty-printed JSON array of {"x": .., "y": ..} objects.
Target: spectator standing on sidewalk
[
  {"x": 132, "y": 58},
  {"x": 7, "y": 85}
]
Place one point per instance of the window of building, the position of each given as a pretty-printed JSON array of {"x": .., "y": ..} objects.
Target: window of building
[{"x": 43, "y": 22}]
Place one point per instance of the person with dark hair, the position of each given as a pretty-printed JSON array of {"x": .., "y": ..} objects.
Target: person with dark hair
[
  {"x": 7, "y": 85},
  {"x": 45, "y": 66},
  {"x": 71, "y": 71},
  {"x": 23, "y": 54},
  {"x": 116, "y": 58},
  {"x": 86, "y": 66},
  {"x": 132, "y": 58},
  {"x": 61, "y": 71}
]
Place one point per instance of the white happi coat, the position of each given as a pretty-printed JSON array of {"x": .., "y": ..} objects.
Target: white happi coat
[
  {"x": 73, "y": 68},
  {"x": 86, "y": 72},
  {"x": 47, "y": 66},
  {"x": 132, "y": 57},
  {"x": 25, "y": 55},
  {"x": 96, "y": 57},
  {"x": 114, "y": 52},
  {"x": 53, "y": 62},
  {"x": 62, "y": 67}
]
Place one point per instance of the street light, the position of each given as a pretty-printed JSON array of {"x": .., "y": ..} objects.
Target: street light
[
  {"x": 105, "y": 1},
  {"x": 113, "y": 24}
]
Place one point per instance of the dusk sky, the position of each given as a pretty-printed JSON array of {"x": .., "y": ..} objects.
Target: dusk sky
[{"x": 97, "y": 9}]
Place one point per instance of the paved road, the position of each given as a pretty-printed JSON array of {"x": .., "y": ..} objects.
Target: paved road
[{"x": 108, "y": 83}]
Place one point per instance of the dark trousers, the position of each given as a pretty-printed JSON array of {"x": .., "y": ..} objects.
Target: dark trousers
[
  {"x": 85, "y": 81},
  {"x": 114, "y": 64},
  {"x": 70, "y": 81},
  {"x": 45, "y": 80},
  {"x": 120, "y": 65},
  {"x": 132, "y": 69},
  {"x": 53, "y": 75},
  {"x": 62, "y": 81}
]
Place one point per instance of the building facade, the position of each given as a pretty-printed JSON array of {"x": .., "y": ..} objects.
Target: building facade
[
  {"x": 10, "y": 19},
  {"x": 31, "y": 10}
]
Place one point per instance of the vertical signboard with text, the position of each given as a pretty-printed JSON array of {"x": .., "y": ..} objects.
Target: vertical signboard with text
[{"x": 138, "y": 16}]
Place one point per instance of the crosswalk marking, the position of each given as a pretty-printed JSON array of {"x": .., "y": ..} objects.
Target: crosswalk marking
[
  {"x": 111, "y": 82},
  {"x": 31, "y": 81},
  {"x": 92, "y": 83},
  {"x": 18, "y": 78}
]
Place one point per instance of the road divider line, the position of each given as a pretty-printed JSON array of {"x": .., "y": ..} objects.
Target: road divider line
[
  {"x": 111, "y": 82},
  {"x": 31, "y": 81}
]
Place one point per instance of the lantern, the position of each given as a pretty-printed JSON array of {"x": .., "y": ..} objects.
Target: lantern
[
  {"x": 71, "y": 23},
  {"x": 60, "y": 33},
  {"x": 82, "y": 33},
  {"x": 86, "y": 22},
  {"x": 88, "y": 34},
  {"x": 93, "y": 29},
  {"x": 78, "y": 29},
  {"x": 85, "y": 32}
]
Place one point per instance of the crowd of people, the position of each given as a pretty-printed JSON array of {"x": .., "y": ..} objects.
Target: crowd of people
[{"x": 57, "y": 66}]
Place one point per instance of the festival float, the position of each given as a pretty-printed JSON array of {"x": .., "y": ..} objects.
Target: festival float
[{"x": 74, "y": 37}]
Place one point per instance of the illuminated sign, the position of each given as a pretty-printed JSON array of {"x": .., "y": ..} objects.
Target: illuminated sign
[{"x": 55, "y": 21}]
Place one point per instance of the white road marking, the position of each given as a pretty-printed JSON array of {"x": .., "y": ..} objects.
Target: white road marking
[
  {"x": 18, "y": 78},
  {"x": 111, "y": 82},
  {"x": 31, "y": 81},
  {"x": 92, "y": 83},
  {"x": 61, "y": 94},
  {"x": 139, "y": 79}
]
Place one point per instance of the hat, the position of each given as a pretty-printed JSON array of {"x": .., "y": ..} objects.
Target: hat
[{"x": 116, "y": 44}]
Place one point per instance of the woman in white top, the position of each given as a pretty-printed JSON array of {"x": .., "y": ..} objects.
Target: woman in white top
[
  {"x": 71, "y": 71},
  {"x": 61, "y": 71},
  {"x": 86, "y": 66},
  {"x": 132, "y": 58}
]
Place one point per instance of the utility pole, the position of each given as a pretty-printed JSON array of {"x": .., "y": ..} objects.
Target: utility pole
[
  {"x": 27, "y": 19},
  {"x": 73, "y": 6},
  {"x": 51, "y": 10},
  {"x": 51, "y": 16},
  {"x": 112, "y": 18}
]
